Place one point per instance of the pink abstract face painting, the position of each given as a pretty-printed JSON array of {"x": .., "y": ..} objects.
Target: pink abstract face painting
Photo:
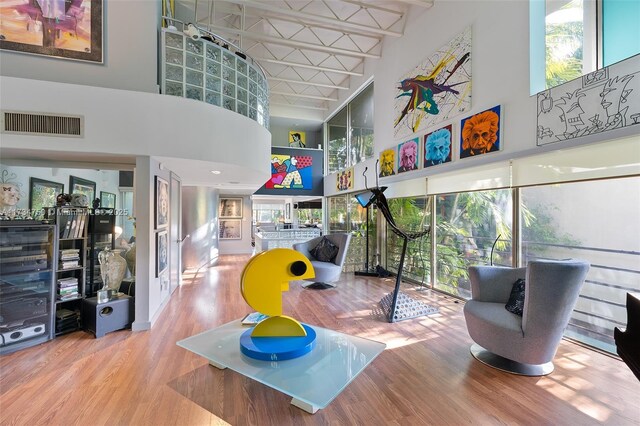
[{"x": 408, "y": 156}]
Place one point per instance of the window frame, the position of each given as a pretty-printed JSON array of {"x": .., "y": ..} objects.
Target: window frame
[
  {"x": 593, "y": 54},
  {"x": 349, "y": 130}
]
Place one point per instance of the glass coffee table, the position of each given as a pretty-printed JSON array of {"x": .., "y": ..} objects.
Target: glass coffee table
[{"x": 313, "y": 380}]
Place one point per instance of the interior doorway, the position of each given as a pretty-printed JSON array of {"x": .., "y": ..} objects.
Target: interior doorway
[{"x": 175, "y": 252}]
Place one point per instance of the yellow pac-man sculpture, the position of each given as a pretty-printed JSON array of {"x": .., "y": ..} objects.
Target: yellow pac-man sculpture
[{"x": 265, "y": 277}]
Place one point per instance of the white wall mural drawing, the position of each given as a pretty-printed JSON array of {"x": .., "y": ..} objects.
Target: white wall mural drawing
[{"x": 603, "y": 100}]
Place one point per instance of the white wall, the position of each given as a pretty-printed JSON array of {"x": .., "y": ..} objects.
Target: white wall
[
  {"x": 133, "y": 123},
  {"x": 130, "y": 52},
  {"x": 200, "y": 222},
  {"x": 500, "y": 68},
  {"x": 152, "y": 293},
  {"x": 242, "y": 246}
]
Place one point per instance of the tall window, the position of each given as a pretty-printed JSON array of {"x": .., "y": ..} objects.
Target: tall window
[
  {"x": 337, "y": 149},
  {"x": 350, "y": 133},
  {"x": 361, "y": 126},
  {"x": 570, "y": 38},
  {"x": 411, "y": 215},
  {"x": 468, "y": 224},
  {"x": 596, "y": 221}
]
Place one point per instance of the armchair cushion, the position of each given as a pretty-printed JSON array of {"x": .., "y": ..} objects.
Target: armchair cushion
[
  {"x": 515, "y": 304},
  {"x": 493, "y": 283},
  {"x": 325, "y": 251}
]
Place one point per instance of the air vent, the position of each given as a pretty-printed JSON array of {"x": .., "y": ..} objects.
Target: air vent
[{"x": 42, "y": 124}]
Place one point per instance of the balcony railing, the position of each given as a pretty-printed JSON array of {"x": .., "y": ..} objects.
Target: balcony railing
[{"x": 213, "y": 70}]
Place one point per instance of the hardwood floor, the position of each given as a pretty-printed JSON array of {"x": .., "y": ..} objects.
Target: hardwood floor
[{"x": 426, "y": 376}]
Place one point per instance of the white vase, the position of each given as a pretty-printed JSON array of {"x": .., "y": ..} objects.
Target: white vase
[{"x": 113, "y": 267}]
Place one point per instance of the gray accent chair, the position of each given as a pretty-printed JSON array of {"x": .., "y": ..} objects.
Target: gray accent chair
[
  {"x": 522, "y": 345},
  {"x": 327, "y": 273}
]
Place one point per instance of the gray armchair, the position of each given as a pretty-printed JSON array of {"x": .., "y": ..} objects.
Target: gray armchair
[
  {"x": 326, "y": 272},
  {"x": 522, "y": 345}
]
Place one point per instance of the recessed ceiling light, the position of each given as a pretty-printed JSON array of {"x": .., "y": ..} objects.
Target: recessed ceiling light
[{"x": 216, "y": 172}]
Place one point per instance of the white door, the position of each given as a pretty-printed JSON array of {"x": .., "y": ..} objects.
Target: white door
[{"x": 176, "y": 232}]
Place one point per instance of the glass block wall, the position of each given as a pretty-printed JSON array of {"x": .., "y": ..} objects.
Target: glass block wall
[{"x": 204, "y": 71}]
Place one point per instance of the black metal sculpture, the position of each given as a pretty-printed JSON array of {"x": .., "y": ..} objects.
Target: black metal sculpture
[{"x": 376, "y": 196}]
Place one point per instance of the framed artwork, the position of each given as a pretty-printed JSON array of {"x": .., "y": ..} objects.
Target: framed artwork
[
  {"x": 230, "y": 229},
  {"x": 297, "y": 139},
  {"x": 387, "y": 163},
  {"x": 69, "y": 29},
  {"x": 408, "y": 154},
  {"x": 107, "y": 200},
  {"x": 162, "y": 252},
  {"x": 162, "y": 203},
  {"x": 291, "y": 172},
  {"x": 344, "y": 179},
  {"x": 82, "y": 186},
  {"x": 436, "y": 90},
  {"x": 438, "y": 146},
  {"x": 43, "y": 193},
  {"x": 230, "y": 208},
  {"x": 480, "y": 133}
]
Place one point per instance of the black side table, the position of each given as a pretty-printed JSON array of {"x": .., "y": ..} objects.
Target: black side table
[{"x": 102, "y": 318}]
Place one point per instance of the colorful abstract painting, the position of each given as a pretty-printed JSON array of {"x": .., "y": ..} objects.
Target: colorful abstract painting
[
  {"x": 387, "y": 162},
  {"x": 603, "y": 100},
  {"x": 408, "y": 154},
  {"x": 344, "y": 179},
  {"x": 436, "y": 90},
  {"x": 438, "y": 146},
  {"x": 480, "y": 133},
  {"x": 290, "y": 172},
  {"x": 70, "y": 29}
]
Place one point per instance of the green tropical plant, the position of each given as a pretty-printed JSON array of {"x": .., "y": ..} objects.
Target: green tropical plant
[{"x": 564, "y": 50}]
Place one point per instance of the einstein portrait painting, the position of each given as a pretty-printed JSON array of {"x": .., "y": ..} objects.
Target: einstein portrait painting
[
  {"x": 408, "y": 156},
  {"x": 480, "y": 133},
  {"x": 437, "y": 147}
]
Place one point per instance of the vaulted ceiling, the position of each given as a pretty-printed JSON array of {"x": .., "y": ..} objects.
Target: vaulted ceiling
[{"x": 309, "y": 49}]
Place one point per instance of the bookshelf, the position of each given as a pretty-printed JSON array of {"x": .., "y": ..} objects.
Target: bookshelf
[
  {"x": 27, "y": 284},
  {"x": 70, "y": 271}
]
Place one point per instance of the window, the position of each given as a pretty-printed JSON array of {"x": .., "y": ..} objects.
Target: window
[
  {"x": 361, "y": 126},
  {"x": 337, "y": 149},
  {"x": 468, "y": 224},
  {"x": 596, "y": 221},
  {"x": 267, "y": 213},
  {"x": 411, "y": 215},
  {"x": 570, "y": 38},
  {"x": 309, "y": 216},
  {"x": 350, "y": 133}
]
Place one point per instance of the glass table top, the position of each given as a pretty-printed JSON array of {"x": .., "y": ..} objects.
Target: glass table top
[{"x": 315, "y": 378}]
